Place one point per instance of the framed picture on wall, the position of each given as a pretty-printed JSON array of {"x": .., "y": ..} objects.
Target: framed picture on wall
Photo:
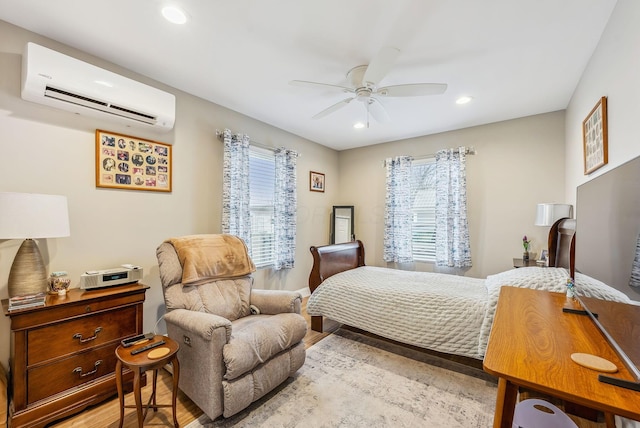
[
  {"x": 316, "y": 181},
  {"x": 126, "y": 162},
  {"x": 594, "y": 136}
]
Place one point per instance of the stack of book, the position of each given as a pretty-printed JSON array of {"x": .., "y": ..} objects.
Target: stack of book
[{"x": 27, "y": 301}]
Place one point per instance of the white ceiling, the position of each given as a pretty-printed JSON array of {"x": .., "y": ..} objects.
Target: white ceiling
[{"x": 515, "y": 57}]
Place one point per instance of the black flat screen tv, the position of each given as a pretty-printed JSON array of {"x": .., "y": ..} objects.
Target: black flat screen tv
[{"x": 608, "y": 225}]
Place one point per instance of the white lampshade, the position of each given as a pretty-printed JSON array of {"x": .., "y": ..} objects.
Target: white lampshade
[
  {"x": 28, "y": 216},
  {"x": 32, "y": 215},
  {"x": 548, "y": 214}
]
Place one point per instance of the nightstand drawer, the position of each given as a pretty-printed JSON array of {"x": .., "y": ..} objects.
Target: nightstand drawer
[
  {"x": 68, "y": 337},
  {"x": 50, "y": 379}
]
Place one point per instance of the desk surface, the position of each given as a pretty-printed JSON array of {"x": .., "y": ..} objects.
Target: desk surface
[{"x": 530, "y": 346}]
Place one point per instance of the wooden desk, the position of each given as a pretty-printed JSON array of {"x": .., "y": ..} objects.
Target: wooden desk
[{"x": 530, "y": 346}]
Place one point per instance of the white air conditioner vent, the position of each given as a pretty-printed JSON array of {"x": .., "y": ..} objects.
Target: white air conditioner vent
[
  {"x": 57, "y": 80},
  {"x": 103, "y": 106}
]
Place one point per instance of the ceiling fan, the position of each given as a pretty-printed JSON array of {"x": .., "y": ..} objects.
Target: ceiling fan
[{"x": 364, "y": 81}]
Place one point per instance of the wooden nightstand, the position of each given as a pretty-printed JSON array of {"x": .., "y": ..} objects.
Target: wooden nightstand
[
  {"x": 63, "y": 354},
  {"x": 518, "y": 263}
]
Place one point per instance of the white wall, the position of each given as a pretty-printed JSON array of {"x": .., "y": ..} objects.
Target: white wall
[
  {"x": 43, "y": 150},
  {"x": 613, "y": 71},
  {"x": 518, "y": 165}
]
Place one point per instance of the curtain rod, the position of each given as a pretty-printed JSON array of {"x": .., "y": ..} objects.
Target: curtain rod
[
  {"x": 220, "y": 135},
  {"x": 467, "y": 151}
]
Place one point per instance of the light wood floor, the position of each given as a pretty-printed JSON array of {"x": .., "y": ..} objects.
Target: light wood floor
[{"x": 107, "y": 414}]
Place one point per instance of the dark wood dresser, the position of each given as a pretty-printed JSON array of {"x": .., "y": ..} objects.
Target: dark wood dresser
[{"x": 63, "y": 354}]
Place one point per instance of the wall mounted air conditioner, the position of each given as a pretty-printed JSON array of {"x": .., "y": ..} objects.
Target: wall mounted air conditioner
[{"x": 58, "y": 80}]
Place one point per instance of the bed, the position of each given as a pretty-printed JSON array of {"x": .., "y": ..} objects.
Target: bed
[{"x": 440, "y": 312}]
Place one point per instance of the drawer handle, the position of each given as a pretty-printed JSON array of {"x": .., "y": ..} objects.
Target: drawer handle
[
  {"x": 79, "y": 370},
  {"x": 88, "y": 339}
]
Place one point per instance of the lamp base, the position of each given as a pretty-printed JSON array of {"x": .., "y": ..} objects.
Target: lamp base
[{"x": 28, "y": 274}]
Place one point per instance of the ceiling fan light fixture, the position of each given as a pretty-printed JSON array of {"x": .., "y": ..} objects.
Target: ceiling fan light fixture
[
  {"x": 364, "y": 86},
  {"x": 174, "y": 15},
  {"x": 464, "y": 99},
  {"x": 358, "y": 125}
]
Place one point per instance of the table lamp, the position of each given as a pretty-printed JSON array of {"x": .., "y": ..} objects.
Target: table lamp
[
  {"x": 548, "y": 214},
  {"x": 28, "y": 216}
]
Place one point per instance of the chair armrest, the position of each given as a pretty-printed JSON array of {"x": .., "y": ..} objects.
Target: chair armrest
[
  {"x": 202, "y": 338},
  {"x": 271, "y": 302},
  {"x": 200, "y": 323}
]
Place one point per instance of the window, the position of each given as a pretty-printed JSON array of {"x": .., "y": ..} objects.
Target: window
[
  {"x": 423, "y": 210},
  {"x": 261, "y": 205}
]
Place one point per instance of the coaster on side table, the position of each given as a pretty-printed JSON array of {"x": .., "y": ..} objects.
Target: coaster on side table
[
  {"x": 154, "y": 354},
  {"x": 594, "y": 362}
]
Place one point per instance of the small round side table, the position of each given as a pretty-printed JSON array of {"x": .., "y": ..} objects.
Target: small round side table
[{"x": 152, "y": 359}]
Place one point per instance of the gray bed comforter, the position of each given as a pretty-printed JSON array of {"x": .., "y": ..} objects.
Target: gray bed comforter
[{"x": 445, "y": 313}]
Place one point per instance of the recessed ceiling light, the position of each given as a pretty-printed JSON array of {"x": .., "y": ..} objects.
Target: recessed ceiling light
[
  {"x": 463, "y": 100},
  {"x": 174, "y": 15},
  {"x": 358, "y": 125}
]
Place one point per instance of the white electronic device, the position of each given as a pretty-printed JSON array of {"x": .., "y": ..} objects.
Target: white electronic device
[{"x": 109, "y": 277}]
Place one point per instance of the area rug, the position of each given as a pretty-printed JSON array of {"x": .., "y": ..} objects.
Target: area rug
[{"x": 351, "y": 380}]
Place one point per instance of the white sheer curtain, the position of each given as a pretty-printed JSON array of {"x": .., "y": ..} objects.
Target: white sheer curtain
[
  {"x": 285, "y": 208},
  {"x": 453, "y": 248},
  {"x": 236, "y": 218},
  {"x": 397, "y": 213}
]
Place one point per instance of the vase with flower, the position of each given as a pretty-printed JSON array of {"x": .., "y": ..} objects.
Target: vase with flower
[{"x": 525, "y": 245}]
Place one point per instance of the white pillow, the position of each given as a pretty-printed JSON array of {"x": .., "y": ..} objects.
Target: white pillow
[
  {"x": 553, "y": 279},
  {"x": 591, "y": 287}
]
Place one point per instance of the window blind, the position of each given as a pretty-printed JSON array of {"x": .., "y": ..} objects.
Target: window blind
[
  {"x": 261, "y": 205},
  {"x": 423, "y": 210}
]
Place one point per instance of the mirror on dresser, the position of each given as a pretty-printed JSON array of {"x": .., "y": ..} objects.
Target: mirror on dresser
[{"x": 342, "y": 224}]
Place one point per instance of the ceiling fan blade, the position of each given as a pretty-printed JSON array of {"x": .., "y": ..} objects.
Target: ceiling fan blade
[
  {"x": 380, "y": 65},
  {"x": 377, "y": 111},
  {"x": 412, "y": 90},
  {"x": 331, "y": 109},
  {"x": 320, "y": 85}
]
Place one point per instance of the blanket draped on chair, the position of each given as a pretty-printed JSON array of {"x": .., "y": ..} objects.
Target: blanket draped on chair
[{"x": 210, "y": 257}]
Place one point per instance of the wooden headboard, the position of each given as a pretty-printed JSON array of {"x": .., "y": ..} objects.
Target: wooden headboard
[
  {"x": 329, "y": 260},
  {"x": 562, "y": 245}
]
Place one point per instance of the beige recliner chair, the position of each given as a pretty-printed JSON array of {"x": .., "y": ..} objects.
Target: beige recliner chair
[{"x": 236, "y": 343}]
